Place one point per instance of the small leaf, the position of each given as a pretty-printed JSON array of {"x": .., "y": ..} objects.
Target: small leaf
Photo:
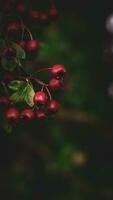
[
  {"x": 16, "y": 84},
  {"x": 8, "y": 128},
  {"x": 9, "y": 65},
  {"x": 29, "y": 95},
  {"x": 20, "y": 53}
]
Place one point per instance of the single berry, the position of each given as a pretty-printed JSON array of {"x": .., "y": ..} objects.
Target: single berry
[
  {"x": 27, "y": 114},
  {"x": 43, "y": 17},
  {"x": 40, "y": 115},
  {"x": 14, "y": 27},
  {"x": 40, "y": 98},
  {"x": 12, "y": 114},
  {"x": 53, "y": 12},
  {"x": 52, "y": 107},
  {"x": 58, "y": 71},
  {"x": 22, "y": 44},
  {"x": 4, "y": 100},
  {"x": 34, "y": 15},
  {"x": 9, "y": 52},
  {"x": 21, "y": 7},
  {"x": 55, "y": 84},
  {"x": 32, "y": 46}
]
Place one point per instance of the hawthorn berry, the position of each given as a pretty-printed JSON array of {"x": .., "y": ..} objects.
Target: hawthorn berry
[
  {"x": 27, "y": 114},
  {"x": 55, "y": 84},
  {"x": 58, "y": 71},
  {"x": 40, "y": 115},
  {"x": 21, "y": 7},
  {"x": 22, "y": 44},
  {"x": 9, "y": 52},
  {"x": 40, "y": 98},
  {"x": 13, "y": 27},
  {"x": 53, "y": 12},
  {"x": 4, "y": 101},
  {"x": 34, "y": 15},
  {"x": 32, "y": 46},
  {"x": 12, "y": 114},
  {"x": 52, "y": 107}
]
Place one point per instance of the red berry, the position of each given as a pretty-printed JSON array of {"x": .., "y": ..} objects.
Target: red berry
[
  {"x": 43, "y": 17},
  {"x": 13, "y": 27},
  {"x": 55, "y": 84},
  {"x": 40, "y": 115},
  {"x": 4, "y": 101},
  {"x": 40, "y": 98},
  {"x": 9, "y": 52},
  {"x": 12, "y": 114},
  {"x": 32, "y": 46},
  {"x": 34, "y": 14},
  {"x": 21, "y": 7},
  {"x": 58, "y": 71},
  {"x": 27, "y": 114},
  {"x": 52, "y": 106},
  {"x": 53, "y": 12},
  {"x": 22, "y": 44}
]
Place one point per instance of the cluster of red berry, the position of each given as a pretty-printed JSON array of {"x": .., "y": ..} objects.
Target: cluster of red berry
[{"x": 39, "y": 103}]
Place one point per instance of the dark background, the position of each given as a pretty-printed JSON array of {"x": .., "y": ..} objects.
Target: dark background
[{"x": 68, "y": 156}]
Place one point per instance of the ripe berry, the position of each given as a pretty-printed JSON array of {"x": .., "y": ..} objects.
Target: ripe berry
[
  {"x": 21, "y": 7},
  {"x": 58, "y": 71},
  {"x": 40, "y": 115},
  {"x": 53, "y": 12},
  {"x": 34, "y": 14},
  {"x": 43, "y": 17},
  {"x": 12, "y": 114},
  {"x": 14, "y": 27},
  {"x": 32, "y": 46},
  {"x": 22, "y": 44},
  {"x": 9, "y": 52},
  {"x": 40, "y": 98},
  {"x": 52, "y": 107},
  {"x": 55, "y": 84},
  {"x": 4, "y": 101},
  {"x": 27, "y": 114}
]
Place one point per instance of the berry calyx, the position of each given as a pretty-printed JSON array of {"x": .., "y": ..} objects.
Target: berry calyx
[
  {"x": 32, "y": 46},
  {"x": 34, "y": 14},
  {"x": 9, "y": 52},
  {"x": 55, "y": 84},
  {"x": 12, "y": 114},
  {"x": 4, "y": 101},
  {"x": 58, "y": 71},
  {"x": 27, "y": 114},
  {"x": 40, "y": 115},
  {"x": 40, "y": 98},
  {"x": 52, "y": 107}
]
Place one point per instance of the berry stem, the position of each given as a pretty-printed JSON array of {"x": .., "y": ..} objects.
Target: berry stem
[
  {"x": 48, "y": 93},
  {"x": 42, "y": 70},
  {"x": 28, "y": 31}
]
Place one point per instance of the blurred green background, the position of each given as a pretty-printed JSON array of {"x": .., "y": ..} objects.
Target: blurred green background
[{"x": 68, "y": 156}]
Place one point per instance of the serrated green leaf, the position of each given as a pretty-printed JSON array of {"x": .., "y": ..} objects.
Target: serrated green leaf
[
  {"x": 24, "y": 93},
  {"x": 29, "y": 95},
  {"x": 20, "y": 53},
  {"x": 9, "y": 65},
  {"x": 16, "y": 85}
]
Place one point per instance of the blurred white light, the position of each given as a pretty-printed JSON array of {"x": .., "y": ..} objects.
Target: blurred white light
[{"x": 109, "y": 23}]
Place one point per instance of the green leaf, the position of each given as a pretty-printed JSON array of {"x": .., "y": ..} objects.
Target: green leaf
[
  {"x": 29, "y": 95},
  {"x": 24, "y": 92},
  {"x": 16, "y": 84},
  {"x": 9, "y": 65},
  {"x": 20, "y": 53},
  {"x": 8, "y": 128}
]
